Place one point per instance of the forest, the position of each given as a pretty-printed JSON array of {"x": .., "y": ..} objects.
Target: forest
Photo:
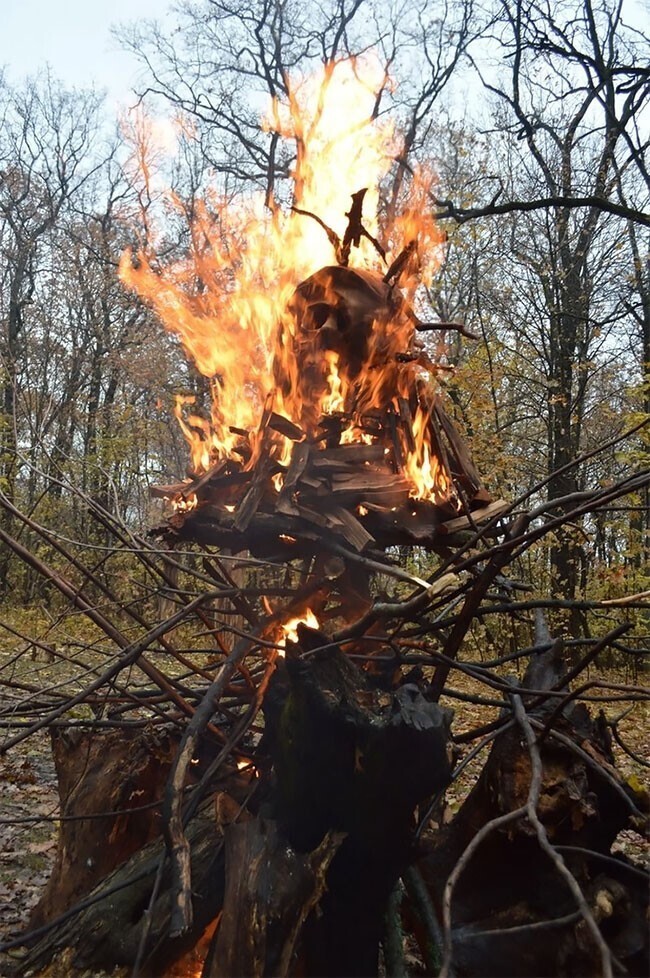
[{"x": 325, "y": 496}]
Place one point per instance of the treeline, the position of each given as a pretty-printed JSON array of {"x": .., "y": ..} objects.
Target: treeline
[{"x": 532, "y": 117}]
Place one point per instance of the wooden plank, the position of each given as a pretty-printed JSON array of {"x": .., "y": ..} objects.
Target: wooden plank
[
  {"x": 299, "y": 458},
  {"x": 310, "y": 481},
  {"x": 398, "y": 455},
  {"x": 407, "y": 422},
  {"x": 248, "y": 506},
  {"x": 253, "y": 497},
  {"x": 386, "y": 498},
  {"x": 322, "y": 519},
  {"x": 353, "y": 453},
  {"x": 353, "y": 531},
  {"x": 369, "y": 480},
  {"x": 478, "y": 516},
  {"x": 465, "y": 464},
  {"x": 286, "y": 505},
  {"x": 285, "y": 427},
  {"x": 438, "y": 447},
  {"x": 267, "y": 411},
  {"x": 168, "y": 492},
  {"x": 224, "y": 474},
  {"x": 375, "y": 507}
]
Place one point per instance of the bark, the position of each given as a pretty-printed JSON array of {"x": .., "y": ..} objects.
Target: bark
[
  {"x": 270, "y": 891},
  {"x": 128, "y": 909},
  {"x": 117, "y": 771},
  {"x": 512, "y": 912}
]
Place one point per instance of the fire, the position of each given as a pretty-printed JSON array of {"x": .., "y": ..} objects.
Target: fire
[
  {"x": 333, "y": 400},
  {"x": 257, "y": 317},
  {"x": 290, "y": 628},
  {"x": 184, "y": 504},
  {"x": 430, "y": 481}
]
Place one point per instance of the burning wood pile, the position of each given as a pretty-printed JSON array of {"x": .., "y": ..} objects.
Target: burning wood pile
[
  {"x": 262, "y": 783},
  {"x": 325, "y": 419},
  {"x": 383, "y": 465}
]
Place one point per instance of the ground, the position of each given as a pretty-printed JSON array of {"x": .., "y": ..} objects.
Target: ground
[
  {"x": 28, "y": 831},
  {"x": 29, "y": 804}
]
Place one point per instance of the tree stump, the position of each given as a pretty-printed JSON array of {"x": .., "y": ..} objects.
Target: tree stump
[
  {"x": 513, "y": 915},
  {"x": 121, "y": 773},
  {"x": 270, "y": 891},
  {"x": 355, "y": 760},
  {"x": 108, "y": 932}
]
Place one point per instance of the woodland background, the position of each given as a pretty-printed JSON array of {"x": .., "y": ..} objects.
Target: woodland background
[{"x": 534, "y": 116}]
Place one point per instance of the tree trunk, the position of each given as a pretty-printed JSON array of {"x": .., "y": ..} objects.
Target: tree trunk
[
  {"x": 513, "y": 915},
  {"x": 350, "y": 759}
]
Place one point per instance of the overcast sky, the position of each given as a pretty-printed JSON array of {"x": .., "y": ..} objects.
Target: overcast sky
[{"x": 74, "y": 37}]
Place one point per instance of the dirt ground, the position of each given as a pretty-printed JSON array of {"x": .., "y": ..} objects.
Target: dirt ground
[{"x": 29, "y": 804}]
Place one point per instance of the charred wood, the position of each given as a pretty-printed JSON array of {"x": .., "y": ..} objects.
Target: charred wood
[{"x": 348, "y": 761}]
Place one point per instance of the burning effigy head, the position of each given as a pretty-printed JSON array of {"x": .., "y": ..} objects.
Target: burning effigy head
[
  {"x": 351, "y": 340},
  {"x": 303, "y": 322}
]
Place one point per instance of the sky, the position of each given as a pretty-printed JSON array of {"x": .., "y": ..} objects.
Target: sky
[{"x": 74, "y": 37}]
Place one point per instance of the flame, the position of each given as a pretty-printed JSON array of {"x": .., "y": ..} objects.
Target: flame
[
  {"x": 430, "y": 480},
  {"x": 184, "y": 504},
  {"x": 290, "y": 628},
  {"x": 244, "y": 764},
  {"x": 333, "y": 400},
  {"x": 231, "y": 300}
]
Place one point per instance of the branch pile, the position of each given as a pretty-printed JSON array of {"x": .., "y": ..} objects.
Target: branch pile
[{"x": 297, "y": 794}]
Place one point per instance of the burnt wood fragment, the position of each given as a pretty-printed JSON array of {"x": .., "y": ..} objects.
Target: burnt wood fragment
[
  {"x": 285, "y": 427},
  {"x": 270, "y": 891}
]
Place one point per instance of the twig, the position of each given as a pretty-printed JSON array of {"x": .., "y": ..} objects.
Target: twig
[
  {"x": 421, "y": 903},
  {"x": 555, "y": 857},
  {"x": 130, "y": 655},
  {"x": 496, "y": 823},
  {"x": 382, "y": 611},
  {"x": 473, "y": 600},
  {"x": 393, "y": 935},
  {"x": 175, "y": 839},
  {"x": 641, "y": 874}
]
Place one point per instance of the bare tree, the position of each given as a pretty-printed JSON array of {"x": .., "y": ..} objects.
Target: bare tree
[
  {"x": 223, "y": 63},
  {"x": 44, "y": 161},
  {"x": 569, "y": 99}
]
